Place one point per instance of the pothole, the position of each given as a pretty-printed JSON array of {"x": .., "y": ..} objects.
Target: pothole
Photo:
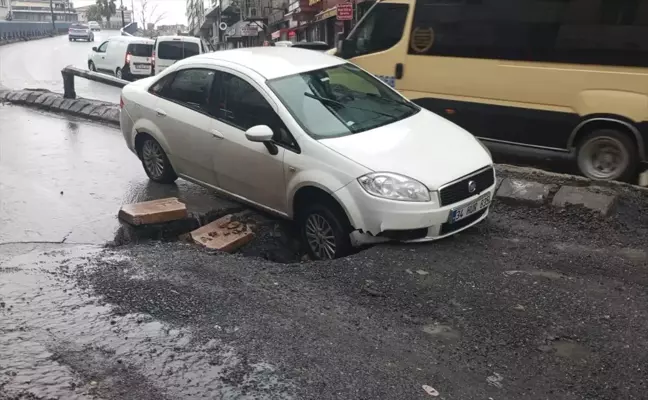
[{"x": 274, "y": 239}]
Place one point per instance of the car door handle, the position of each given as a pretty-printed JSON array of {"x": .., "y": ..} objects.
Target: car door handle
[
  {"x": 160, "y": 113},
  {"x": 217, "y": 134}
]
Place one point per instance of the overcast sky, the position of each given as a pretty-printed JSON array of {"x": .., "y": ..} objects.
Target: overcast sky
[{"x": 174, "y": 10}]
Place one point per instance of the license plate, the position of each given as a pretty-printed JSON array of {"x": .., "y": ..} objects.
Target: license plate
[
  {"x": 141, "y": 66},
  {"x": 458, "y": 214}
]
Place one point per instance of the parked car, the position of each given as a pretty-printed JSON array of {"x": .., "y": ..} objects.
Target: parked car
[
  {"x": 312, "y": 138},
  {"x": 169, "y": 49},
  {"x": 94, "y": 26},
  {"x": 127, "y": 57},
  {"x": 80, "y": 32}
]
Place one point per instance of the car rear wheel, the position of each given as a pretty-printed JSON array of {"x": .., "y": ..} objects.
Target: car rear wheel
[
  {"x": 325, "y": 231},
  {"x": 156, "y": 163},
  {"x": 608, "y": 154},
  {"x": 118, "y": 73}
]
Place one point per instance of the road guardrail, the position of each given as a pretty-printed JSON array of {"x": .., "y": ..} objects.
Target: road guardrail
[{"x": 70, "y": 72}]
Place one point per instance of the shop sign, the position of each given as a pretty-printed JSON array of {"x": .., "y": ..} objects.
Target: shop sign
[
  {"x": 292, "y": 34},
  {"x": 326, "y": 14},
  {"x": 345, "y": 12},
  {"x": 249, "y": 30},
  {"x": 276, "y": 35}
]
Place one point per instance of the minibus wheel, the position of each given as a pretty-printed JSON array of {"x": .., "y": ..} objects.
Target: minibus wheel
[{"x": 607, "y": 154}]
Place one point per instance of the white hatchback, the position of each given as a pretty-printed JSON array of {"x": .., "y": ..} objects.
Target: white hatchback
[{"x": 313, "y": 138}]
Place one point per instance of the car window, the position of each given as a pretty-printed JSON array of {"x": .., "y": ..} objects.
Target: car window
[
  {"x": 177, "y": 50},
  {"x": 102, "y": 48},
  {"x": 140, "y": 49},
  {"x": 190, "y": 87},
  {"x": 159, "y": 86},
  {"x": 382, "y": 29},
  {"x": 239, "y": 103}
]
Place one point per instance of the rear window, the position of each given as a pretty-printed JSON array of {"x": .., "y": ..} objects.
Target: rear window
[
  {"x": 177, "y": 50},
  {"x": 140, "y": 49},
  {"x": 79, "y": 26}
]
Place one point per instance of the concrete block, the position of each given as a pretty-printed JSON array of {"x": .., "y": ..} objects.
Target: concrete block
[
  {"x": 41, "y": 98},
  {"x": 49, "y": 100},
  {"x": 643, "y": 178},
  {"x": 153, "y": 212},
  {"x": 13, "y": 95},
  {"x": 594, "y": 198},
  {"x": 88, "y": 109},
  {"x": 518, "y": 190},
  {"x": 225, "y": 234},
  {"x": 57, "y": 102},
  {"x": 67, "y": 103},
  {"x": 111, "y": 114},
  {"x": 23, "y": 96},
  {"x": 32, "y": 96},
  {"x": 77, "y": 106}
]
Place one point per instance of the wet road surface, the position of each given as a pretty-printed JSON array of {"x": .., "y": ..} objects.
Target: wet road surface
[
  {"x": 531, "y": 304},
  {"x": 37, "y": 65},
  {"x": 64, "y": 179}
]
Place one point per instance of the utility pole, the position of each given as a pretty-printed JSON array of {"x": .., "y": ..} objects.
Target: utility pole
[{"x": 122, "y": 12}]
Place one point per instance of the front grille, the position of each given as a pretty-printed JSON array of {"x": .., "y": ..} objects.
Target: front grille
[
  {"x": 459, "y": 190},
  {"x": 450, "y": 227}
]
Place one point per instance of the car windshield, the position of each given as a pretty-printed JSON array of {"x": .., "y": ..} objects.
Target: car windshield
[{"x": 340, "y": 101}]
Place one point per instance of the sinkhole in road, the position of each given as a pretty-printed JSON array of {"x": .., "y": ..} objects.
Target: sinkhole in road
[{"x": 274, "y": 239}]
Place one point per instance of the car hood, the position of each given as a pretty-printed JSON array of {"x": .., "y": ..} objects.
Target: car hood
[{"x": 425, "y": 147}]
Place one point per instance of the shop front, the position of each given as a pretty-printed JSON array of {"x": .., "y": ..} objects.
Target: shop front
[{"x": 243, "y": 34}]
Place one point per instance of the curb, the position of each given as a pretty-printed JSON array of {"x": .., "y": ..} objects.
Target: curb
[
  {"x": 26, "y": 39},
  {"x": 537, "y": 188},
  {"x": 50, "y": 101}
]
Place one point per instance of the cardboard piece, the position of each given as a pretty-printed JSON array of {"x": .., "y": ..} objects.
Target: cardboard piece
[
  {"x": 225, "y": 234},
  {"x": 153, "y": 212}
]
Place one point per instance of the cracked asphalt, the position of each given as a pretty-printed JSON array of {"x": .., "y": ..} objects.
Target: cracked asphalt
[{"x": 534, "y": 303}]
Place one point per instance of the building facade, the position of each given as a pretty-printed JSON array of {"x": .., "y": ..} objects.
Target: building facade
[
  {"x": 39, "y": 10},
  {"x": 5, "y": 10}
]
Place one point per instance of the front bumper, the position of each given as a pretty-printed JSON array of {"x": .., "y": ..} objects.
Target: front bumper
[{"x": 378, "y": 220}]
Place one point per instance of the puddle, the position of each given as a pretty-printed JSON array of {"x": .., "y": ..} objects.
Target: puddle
[
  {"x": 59, "y": 342},
  {"x": 444, "y": 332}
]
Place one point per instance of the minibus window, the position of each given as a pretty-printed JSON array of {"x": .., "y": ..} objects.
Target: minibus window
[{"x": 380, "y": 30}]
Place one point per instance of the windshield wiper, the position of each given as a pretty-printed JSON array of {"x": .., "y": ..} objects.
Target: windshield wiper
[
  {"x": 402, "y": 103},
  {"x": 328, "y": 101}
]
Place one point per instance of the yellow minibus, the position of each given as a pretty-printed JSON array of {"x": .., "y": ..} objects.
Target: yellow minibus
[{"x": 566, "y": 78}]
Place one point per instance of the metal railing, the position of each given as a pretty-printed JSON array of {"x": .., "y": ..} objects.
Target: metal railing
[{"x": 70, "y": 72}]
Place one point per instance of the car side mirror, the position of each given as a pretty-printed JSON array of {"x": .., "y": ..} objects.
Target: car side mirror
[
  {"x": 259, "y": 134},
  {"x": 94, "y": 49},
  {"x": 347, "y": 48}
]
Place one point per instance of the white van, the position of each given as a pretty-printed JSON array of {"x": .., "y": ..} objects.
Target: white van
[
  {"x": 127, "y": 57},
  {"x": 169, "y": 49}
]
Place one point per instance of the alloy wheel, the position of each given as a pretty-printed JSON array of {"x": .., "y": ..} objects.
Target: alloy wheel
[
  {"x": 320, "y": 237},
  {"x": 152, "y": 155}
]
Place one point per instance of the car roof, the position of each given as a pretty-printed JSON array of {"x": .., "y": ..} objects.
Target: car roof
[
  {"x": 132, "y": 39},
  {"x": 178, "y": 38},
  {"x": 271, "y": 62}
]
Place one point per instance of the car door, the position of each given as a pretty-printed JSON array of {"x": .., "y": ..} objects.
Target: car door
[
  {"x": 100, "y": 56},
  {"x": 245, "y": 168},
  {"x": 183, "y": 117}
]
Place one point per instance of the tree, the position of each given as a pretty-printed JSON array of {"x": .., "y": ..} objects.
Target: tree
[
  {"x": 107, "y": 9},
  {"x": 149, "y": 15},
  {"x": 94, "y": 13}
]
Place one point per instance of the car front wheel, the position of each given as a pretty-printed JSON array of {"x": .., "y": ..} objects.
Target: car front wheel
[
  {"x": 156, "y": 163},
  {"x": 325, "y": 231}
]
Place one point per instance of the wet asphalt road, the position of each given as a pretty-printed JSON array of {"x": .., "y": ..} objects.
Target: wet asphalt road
[
  {"x": 63, "y": 179},
  {"x": 37, "y": 65},
  {"x": 531, "y": 304}
]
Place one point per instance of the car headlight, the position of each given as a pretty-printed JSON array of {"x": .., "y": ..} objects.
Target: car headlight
[{"x": 394, "y": 187}]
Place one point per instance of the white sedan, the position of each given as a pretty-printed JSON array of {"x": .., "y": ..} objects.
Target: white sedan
[{"x": 312, "y": 138}]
